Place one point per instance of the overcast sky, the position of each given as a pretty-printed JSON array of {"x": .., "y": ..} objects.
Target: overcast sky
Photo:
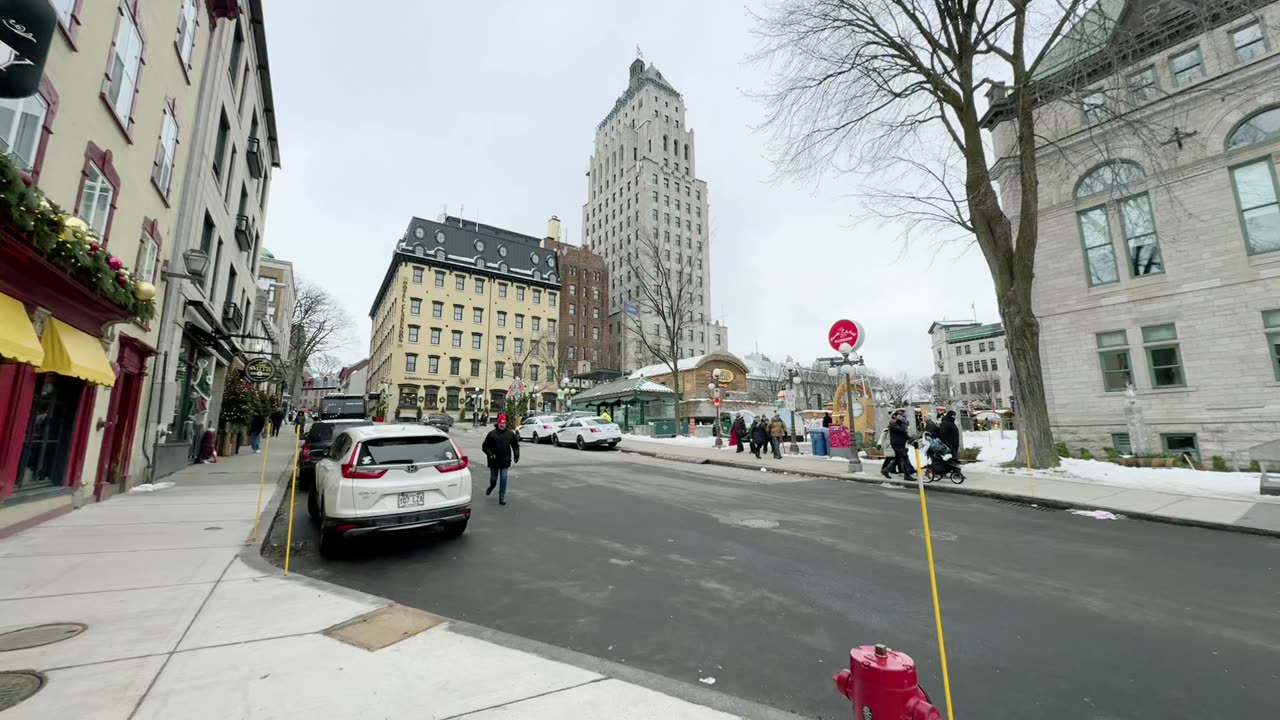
[{"x": 394, "y": 108}]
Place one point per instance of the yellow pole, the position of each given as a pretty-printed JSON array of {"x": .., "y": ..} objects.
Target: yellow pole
[
  {"x": 262, "y": 483},
  {"x": 933, "y": 585},
  {"x": 293, "y": 494}
]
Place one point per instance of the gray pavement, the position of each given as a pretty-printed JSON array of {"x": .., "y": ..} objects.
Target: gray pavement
[{"x": 763, "y": 581}]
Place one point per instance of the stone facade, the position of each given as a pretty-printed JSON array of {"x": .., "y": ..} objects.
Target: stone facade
[
  {"x": 1180, "y": 313},
  {"x": 971, "y": 364}
]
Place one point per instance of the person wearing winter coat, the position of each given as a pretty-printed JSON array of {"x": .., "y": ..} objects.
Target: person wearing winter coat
[
  {"x": 256, "y": 426},
  {"x": 738, "y": 433},
  {"x": 899, "y": 437},
  {"x": 826, "y": 420},
  {"x": 759, "y": 436},
  {"x": 777, "y": 430},
  {"x": 502, "y": 449},
  {"x": 277, "y": 419},
  {"x": 949, "y": 433}
]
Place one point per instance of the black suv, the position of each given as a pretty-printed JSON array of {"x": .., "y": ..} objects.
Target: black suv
[{"x": 316, "y": 445}]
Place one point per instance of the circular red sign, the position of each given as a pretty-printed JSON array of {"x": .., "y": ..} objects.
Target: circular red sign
[{"x": 845, "y": 332}]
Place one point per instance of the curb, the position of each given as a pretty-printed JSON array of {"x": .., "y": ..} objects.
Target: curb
[
  {"x": 993, "y": 494},
  {"x": 251, "y": 555}
]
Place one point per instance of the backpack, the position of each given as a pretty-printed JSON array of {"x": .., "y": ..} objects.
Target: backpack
[{"x": 936, "y": 447}]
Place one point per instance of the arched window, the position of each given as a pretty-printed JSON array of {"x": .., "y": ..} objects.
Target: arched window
[
  {"x": 1116, "y": 175},
  {"x": 1257, "y": 129}
]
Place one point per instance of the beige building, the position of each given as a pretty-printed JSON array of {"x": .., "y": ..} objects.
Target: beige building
[
  {"x": 971, "y": 365},
  {"x": 106, "y": 138},
  {"x": 1158, "y": 267},
  {"x": 642, "y": 182},
  {"x": 272, "y": 318},
  {"x": 467, "y": 315}
]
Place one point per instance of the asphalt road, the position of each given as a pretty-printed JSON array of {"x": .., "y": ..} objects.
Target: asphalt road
[{"x": 764, "y": 581}]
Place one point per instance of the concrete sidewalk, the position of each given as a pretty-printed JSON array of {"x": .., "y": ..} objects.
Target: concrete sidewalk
[
  {"x": 1259, "y": 516},
  {"x": 186, "y": 620}
]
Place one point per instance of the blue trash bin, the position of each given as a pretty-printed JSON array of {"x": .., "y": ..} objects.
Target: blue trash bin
[{"x": 821, "y": 443}]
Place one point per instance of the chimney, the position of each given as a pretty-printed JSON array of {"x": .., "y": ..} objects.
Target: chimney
[{"x": 553, "y": 228}]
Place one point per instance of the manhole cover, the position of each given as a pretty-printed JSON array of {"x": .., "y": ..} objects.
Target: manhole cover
[
  {"x": 758, "y": 523},
  {"x": 937, "y": 535},
  {"x": 38, "y": 635},
  {"x": 18, "y": 685}
]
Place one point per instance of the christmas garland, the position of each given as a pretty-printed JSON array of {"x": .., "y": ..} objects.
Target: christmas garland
[{"x": 67, "y": 242}]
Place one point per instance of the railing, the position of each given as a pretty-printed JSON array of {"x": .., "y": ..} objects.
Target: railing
[{"x": 232, "y": 317}]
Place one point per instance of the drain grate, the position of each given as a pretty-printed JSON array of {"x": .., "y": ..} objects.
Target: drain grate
[
  {"x": 18, "y": 685},
  {"x": 38, "y": 635},
  {"x": 1015, "y": 503}
]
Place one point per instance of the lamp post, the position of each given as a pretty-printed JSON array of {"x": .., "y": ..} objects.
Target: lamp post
[
  {"x": 849, "y": 368},
  {"x": 793, "y": 370},
  {"x": 714, "y": 388}
]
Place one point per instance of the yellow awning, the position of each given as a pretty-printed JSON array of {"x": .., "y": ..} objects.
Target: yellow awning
[
  {"x": 18, "y": 339},
  {"x": 67, "y": 351}
]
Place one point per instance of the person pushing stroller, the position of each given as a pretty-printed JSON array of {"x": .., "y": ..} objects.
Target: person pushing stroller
[{"x": 943, "y": 450}]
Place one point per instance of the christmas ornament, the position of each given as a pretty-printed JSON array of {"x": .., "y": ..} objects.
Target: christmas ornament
[
  {"x": 73, "y": 227},
  {"x": 115, "y": 263},
  {"x": 123, "y": 280},
  {"x": 144, "y": 291}
]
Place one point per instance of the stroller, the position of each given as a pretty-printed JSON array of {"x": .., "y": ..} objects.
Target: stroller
[{"x": 942, "y": 463}]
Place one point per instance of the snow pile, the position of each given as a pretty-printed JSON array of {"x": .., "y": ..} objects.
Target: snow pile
[
  {"x": 707, "y": 442},
  {"x": 150, "y": 487},
  {"x": 1183, "y": 481},
  {"x": 1096, "y": 514}
]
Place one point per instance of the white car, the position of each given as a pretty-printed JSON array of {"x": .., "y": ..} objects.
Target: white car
[
  {"x": 586, "y": 432},
  {"x": 379, "y": 478},
  {"x": 540, "y": 428}
]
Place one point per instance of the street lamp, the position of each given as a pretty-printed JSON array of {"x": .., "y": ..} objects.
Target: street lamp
[
  {"x": 849, "y": 368},
  {"x": 793, "y": 370},
  {"x": 714, "y": 388}
]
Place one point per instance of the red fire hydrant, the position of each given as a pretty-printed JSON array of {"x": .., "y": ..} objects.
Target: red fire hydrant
[{"x": 882, "y": 684}]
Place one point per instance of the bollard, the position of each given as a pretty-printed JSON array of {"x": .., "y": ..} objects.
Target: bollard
[{"x": 882, "y": 684}]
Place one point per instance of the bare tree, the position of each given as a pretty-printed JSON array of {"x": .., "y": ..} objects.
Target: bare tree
[
  {"x": 925, "y": 386},
  {"x": 896, "y": 390},
  {"x": 324, "y": 364},
  {"x": 666, "y": 301},
  {"x": 319, "y": 325},
  {"x": 541, "y": 352}
]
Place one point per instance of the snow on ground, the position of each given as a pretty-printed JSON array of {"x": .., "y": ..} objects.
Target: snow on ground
[
  {"x": 1185, "y": 481},
  {"x": 707, "y": 442}
]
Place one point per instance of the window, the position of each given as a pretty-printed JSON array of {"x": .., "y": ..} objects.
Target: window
[
  {"x": 457, "y": 313},
  {"x": 573, "y": 330},
  {"x": 410, "y": 363},
  {"x": 1094, "y": 107},
  {"x": 1139, "y": 226},
  {"x": 187, "y": 24},
  {"x": 573, "y": 353},
  {"x": 167, "y": 151},
  {"x": 1248, "y": 42},
  {"x": 417, "y": 275},
  {"x": 475, "y": 368},
  {"x": 595, "y": 333},
  {"x": 982, "y": 347},
  {"x": 1120, "y": 441},
  {"x": 537, "y": 296},
  {"x": 1100, "y": 257},
  {"x": 551, "y": 299},
  {"x": 97, "y": 199},
  {"x": 220, "y": 145},
  {"x": 437, "y": 309},
  {"x": 964, "y": 388},
  {"x": 520, "y": 293},
  {"x": 477, "y": 315},
  {"x": 994, "y": 365},
  {"x": 22, "y": 122},
  {"x": 460, "y": 283},
  {"x": 457, "y": 338},
  {"x": 595, "y": 293},
  {"x": 533, "y": 373},
  {"x": 502, "y": 290},
  {"x": 1163, "y": 355},
  {"x": 1255, "y": 191},
  {"x": 126, "y": 65},
  {"x": 455, "y": 368},
  {"x": 1116, "y": 176},
  {"x": 413, "y": 333},
  {"x": 433, "y": 364},
  {"x": 1271, "y": 321},
  {"x": 479, "y": 286},
  {"x": 439, "y": 278},
  {"x": 968, "y": 349},
  {"x": 537, "y": 324},
  {"x": 1142, "y": 85},
  {"x": 1113, "y": 353},
  {"x": 551, "y": 325},
  {"x": 435, "y": 336},
  {"x": 1187, "y": 67},
  {"x": 959, "y": 368},
  {"x": 519, "y": 321},
  {"x": 476, "y": 341},
  {"x": 1178, "y": 444},
  {"x": 595, "y": 313},
  {"x": 65, "y": 10},
  {"x": 148, "y": 255},
  {"x": 573, "y": 290},
  {"x": 573, "y": 309},
  {"x": 518, "y": 344},
  {"x": 502, "y": 344},
  {"x": 502, "y": 318},
  {"x": 499, "y": 369},
  {"x": 985, "y": 366}
]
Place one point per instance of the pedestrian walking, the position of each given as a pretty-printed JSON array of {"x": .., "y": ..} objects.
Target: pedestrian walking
[
  {"x": 949, "y": 433},
  {"x": 299, "y": 422},
  {"x": 759, "y": 436},
  {"x": 277, "y": 419},
  {"x": 777, "y": 429},
  {"x": 899, "y": 436},
  {"x": 502, "y": 449},
  {"x": 256, "y": 426},
  {"x": 826, "y": 420},
  {"x": 738, "y": 432}
]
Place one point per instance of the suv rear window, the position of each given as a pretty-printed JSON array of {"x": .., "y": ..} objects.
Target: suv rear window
[
  {"x": 335, "y": 406},
  {"x": 407, "y": 451},
  {"x": 323, "y": 432}
]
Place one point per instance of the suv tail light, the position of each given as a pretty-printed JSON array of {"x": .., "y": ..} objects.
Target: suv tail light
[
  {"x": 463, "y": 461},
  {"x": 351, "y": 472},
  {"x": 546, "y": 427},
  {"x": 306, "y": 451}
]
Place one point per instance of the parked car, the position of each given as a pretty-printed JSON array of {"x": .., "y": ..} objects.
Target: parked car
[
  {"x": 315, "y": 445},
  {"x": 378, "y": 478},
  {"x": 337, "y": 406},
  {"x": 589, "y": 432},
  {"x": 540, "y": 428},
  {"x": 439, "y": 421}
]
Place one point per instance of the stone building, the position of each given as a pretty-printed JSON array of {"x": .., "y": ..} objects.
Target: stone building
[
  {"x": 642, "y": 183},
  {"x": 584, "y": 314},
  {"x": 971, "y": 365},
  {"x": 1158, "y": 265}
]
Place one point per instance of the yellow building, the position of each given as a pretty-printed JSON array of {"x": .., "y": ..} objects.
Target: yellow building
[{"x": 466, "y": 317}]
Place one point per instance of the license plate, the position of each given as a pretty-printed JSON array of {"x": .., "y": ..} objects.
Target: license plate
[{"x": 410, "y": 499}]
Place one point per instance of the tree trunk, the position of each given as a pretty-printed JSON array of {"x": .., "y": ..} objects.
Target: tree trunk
[{"x": 1022, "y": 338}]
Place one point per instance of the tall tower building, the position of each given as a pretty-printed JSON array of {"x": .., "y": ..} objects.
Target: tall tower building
[{"x": 642, "y": 182}]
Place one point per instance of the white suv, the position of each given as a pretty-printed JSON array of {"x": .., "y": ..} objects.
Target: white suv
[{"x": 377, "y": 478}]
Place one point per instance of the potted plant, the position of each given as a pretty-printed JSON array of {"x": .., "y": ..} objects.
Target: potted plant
[
  {"x": 969, "y": 454},
  {"x": 874, "y": 451}
]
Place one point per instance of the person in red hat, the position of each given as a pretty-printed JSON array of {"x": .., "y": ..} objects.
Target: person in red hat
[{"x": 502, "y": 449}]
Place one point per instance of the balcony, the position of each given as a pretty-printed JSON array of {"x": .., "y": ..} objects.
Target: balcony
[
  {"x": 244, "y": 234},
  {"x": 253, "y": 157},
  {"x": 232, "y": 317}
]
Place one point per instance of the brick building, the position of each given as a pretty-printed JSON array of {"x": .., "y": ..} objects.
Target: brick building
[
  {"x": 584, "y": 314},
  {"x": 1158, "y": 265}
]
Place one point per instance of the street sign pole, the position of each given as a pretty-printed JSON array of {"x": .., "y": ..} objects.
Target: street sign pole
[{"x": 846, "y": 337}]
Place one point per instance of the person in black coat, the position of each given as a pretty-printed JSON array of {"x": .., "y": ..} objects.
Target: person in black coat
[
  {"x": 949, "y": 433},
  {"x": 826, "y": 420},
  {"x": 502, "y": 449},
  {"x": 739, "y": 431},
  {"x": 759, "y": 436},
  {"x": 899, "y": 436},
  {"x": 256, "y": 426},
  {"x": 277, "y": 419}
]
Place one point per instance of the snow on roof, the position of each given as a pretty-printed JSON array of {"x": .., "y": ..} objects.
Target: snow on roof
[{"x": 683, "y": 364}]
